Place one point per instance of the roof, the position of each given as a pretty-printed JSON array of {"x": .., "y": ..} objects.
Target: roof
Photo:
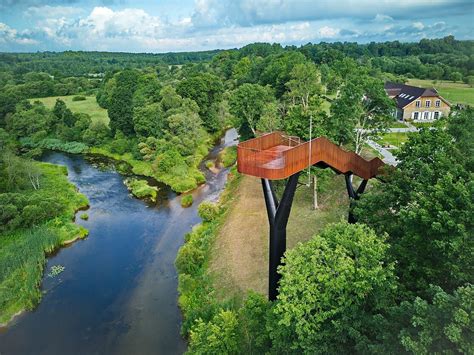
[{"x": 406, "y": 94}]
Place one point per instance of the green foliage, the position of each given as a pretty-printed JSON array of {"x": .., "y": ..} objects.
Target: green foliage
[
  {"x": 361, "y": 111},
  {"x": 206, "y": 90},
  {"x": 208, "y": 211},
  {"x": 218, "y": 336},
  {"x": 426, "y": 207},
  {"x": 442, "y": 325},
  {"x": 29, "y": 119},
  {"x": 330, "y": 288},
  {"x": 43, "y": 222},
  {"x": 84, "y": 216},
  {"x": 120, "y": 107},
  {"x": 141, "y": 189},
  {"x": 79, "y": 98},
  {"x": 247, "y": 102},
  {"x": 186, "y": 200},
  {"x": 228, "y": 156}
]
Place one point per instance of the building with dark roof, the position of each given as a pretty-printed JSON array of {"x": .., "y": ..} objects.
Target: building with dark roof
[{"x": 417, "y": 104}]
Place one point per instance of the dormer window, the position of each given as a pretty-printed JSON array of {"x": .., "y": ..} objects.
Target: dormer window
[
  {"x": 418, "y": 103},
  {"x": 427, "y": 103},
  {"x": 438, "y": 103}
]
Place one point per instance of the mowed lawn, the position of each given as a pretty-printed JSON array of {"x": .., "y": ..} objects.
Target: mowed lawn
[
  {"x": 456, "y": 93},
  {"x": 89, "y": 106}
]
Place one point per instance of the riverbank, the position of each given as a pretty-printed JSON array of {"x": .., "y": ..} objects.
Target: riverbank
[{"x": 23, "y": 251}]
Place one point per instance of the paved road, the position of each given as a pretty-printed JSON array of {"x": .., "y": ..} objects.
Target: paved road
[{"x": 388, "y": 157}]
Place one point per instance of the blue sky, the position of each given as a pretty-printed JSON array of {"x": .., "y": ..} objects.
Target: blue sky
[{"x": 188, "y": 25}]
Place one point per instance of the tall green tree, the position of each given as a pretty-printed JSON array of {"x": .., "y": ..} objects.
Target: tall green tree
[
  {"x": 331, "y": 288},
  {"x": 426, "y": 206},
  {"x": 248, "y": 103},
  {"x": 121, "y": 102},
  {"x": 362, "y": 111},
  {"x": 206, "y": 90}
]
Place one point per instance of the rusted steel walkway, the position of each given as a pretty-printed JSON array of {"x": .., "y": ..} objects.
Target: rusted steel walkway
[{"x": 275, "y": 156}]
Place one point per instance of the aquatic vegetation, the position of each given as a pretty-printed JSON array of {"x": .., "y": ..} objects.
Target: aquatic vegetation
[
  {"x": 186, "y": 200},
  {"x": 141, "y": 189},
  {"x": 56, "y": 270}
]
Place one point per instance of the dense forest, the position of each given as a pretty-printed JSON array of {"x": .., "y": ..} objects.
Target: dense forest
[{"x": 398, "y": 281}]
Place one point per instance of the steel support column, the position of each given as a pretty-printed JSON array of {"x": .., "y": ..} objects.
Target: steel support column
[
  {"x": 278, "y": 214},
  {"x": 354, "y": 195}
]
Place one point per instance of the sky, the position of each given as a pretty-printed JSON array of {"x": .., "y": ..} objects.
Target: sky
[{"x": 190, "y": 25}]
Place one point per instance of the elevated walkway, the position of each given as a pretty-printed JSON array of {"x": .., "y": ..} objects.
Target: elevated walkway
[{"x": 275, "y": 156}]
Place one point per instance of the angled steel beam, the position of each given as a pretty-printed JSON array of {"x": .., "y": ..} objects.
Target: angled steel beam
[{"x": 278, "y": 214}]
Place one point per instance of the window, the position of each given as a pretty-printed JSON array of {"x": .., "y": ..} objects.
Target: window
[
  {"x": 412, "y": 97},
  {"x": 427, "y": 103},
  {"x": 438, "y": 103},
  {"x": 426, "y": 115},
  {"x": 436, "y": 115},
  {"x": 418, "y": 103},
  {"x": 415, "y": 115}
]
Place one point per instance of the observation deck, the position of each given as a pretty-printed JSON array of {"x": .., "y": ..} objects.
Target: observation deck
[{"x": 275, "y": 156}]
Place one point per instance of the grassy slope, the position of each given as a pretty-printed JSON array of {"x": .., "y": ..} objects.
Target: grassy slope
[
  {"x": 239, "y": 257},
  {"x": 89, "y": 106},
  {"x": 456, "y": 93},
  {"x": 22, "y": 252}
]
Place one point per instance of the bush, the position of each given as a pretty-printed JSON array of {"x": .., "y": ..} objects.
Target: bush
[
  {"x": 141, "y": 189},
  {"x": 219, "y": 336},
  {"x": 229, "y": 156},
  {"x": 79, "y": 98},
  {"x": 84, "y": 216},
  {"x": 208, "y": 211},
  {"x": 186, "y": 200}
]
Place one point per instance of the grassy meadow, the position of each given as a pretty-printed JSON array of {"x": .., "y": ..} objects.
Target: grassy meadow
[
  {"x": 455, "y": 93},
  {"x": 89, "y": 106}
]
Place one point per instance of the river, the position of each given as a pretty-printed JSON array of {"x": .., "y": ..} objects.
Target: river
[{"x": 118, "y": 292}]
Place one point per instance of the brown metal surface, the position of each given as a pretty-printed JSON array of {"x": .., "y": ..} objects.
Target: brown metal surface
[{"x": 275, "y": 156}]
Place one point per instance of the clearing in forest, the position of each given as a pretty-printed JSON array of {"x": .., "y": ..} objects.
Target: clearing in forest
[{"x": 89, "y": 106}]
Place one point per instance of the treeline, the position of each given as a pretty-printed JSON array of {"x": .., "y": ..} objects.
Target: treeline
[
  {"x": 78, "y": 63},
  {"x": 445, "y": 58}
]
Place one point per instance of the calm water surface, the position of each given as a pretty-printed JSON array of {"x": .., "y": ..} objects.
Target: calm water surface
[{"x": 118, "y": 292}]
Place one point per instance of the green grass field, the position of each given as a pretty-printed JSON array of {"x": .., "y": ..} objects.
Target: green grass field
[
  {"x": 456, "y": 93},
  {"x": 89, "y": 106},
  {"x": 394, "y": 138}
]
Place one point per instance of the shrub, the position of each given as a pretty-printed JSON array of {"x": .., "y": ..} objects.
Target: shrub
[
  {"x": 228, "y": 156},
  {"x": 186, "y": 200},
  {"x": 79, "y": 98},
  {"x": 208, "y": 211},
  {"x": 84, "y": 216},
  {"x": 141, "y": 189},
  {"x": 219, "y": 336}
]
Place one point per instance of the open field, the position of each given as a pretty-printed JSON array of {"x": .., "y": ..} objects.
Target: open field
[
  {"x": 456, "y": 93},
  {"x": 393, "y": 138},
  {"x": 89, "y": 106},
  {"x": 239, "y": 258}
]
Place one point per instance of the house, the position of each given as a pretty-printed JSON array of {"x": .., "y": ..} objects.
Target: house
[{"x": 417, "y": 104}]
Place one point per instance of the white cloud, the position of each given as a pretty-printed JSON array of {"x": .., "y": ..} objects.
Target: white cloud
[
  {"x": 10, "y": 35},
  {"x": 382, "y": 18},
  {"x": 418, "y": 25},
  {"x": 328, "y": 32}
]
